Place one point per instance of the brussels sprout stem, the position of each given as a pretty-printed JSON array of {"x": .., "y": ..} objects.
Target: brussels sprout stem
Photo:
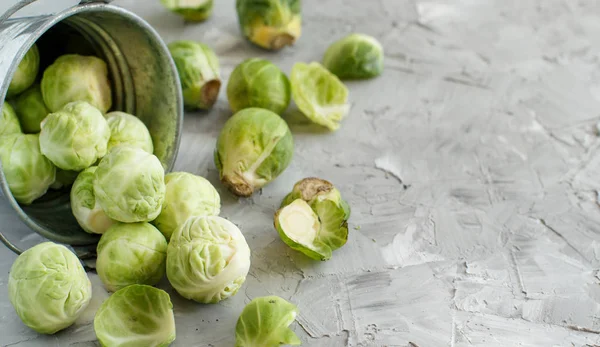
[
  {"x": 210, "y": 92},
  {"x": 282, "y": 40}
]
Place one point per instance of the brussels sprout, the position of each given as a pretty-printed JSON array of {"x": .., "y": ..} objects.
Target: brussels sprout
[
  {"x": 29, "y": 174},
  {"x": 129, "y": 185},
  {"x": 136, "y": 316},
  {"x": 9, "y": 123},
  {"x": 26, "y": 72},
  {"x": 271, "y": 24},
  {"x": 190, "y": 10},
  {"x": 265, "y": 322},
  {"x": 129, "y": 254},
  {"x": 84, "y": 205},
  {"x": 355, "y": 56},
  {"x": 75, "y": 137},
  {"x": 313, "y": 218},
  {"x": 31, "y": 109},
  {"x": 128, "y": 130},
  {"x": 258, "y": 83},
  {"x": 48, "y": 287},
  {"x": 74, "y": 77},
  {"x": 198, "y": 68},
  {"x": 207, "y": 259},
  {"x": 64, "y": 178},
  {"x": 319, "y": 94},
  {"x": 186, "y": 195},
  {"x": 254, "y": 147}
]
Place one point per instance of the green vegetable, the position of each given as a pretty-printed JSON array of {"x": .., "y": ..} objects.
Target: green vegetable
[
  {"x": 355, "y": 56},
  {"x": 271, "y": 24},
  {"x": 265, "y": 322},
  {"x": 64, "y": 178},
  {"x": 254, "y": 147},
  {"x": 85, "y": 206},
  {"x": 26, "y": 72},
  {"x": 75, "y": 77},
  {"x": 29, "y": 174},
  {"x": 319, "y": 94},
  {"x": 9, "y": 123},
  {"x": 186, "y": 195},
  {"x": 75, "y": 137},
  {"x": 313, "y": 218},
  {"x": 31, "y": 109},
  {"x": 126, "y": 129},
  {"x": 190, "y": 10},
  {"x": 198, "y": 68},
  {"x": 129, "y": 185},
  {"x": 136, "y": 316},
  {"x": 258, "y": 83},
  {"x": 129, "y": 254},
  {"x": 207, "y": 259},
  {"x": 48, "y": 287}
]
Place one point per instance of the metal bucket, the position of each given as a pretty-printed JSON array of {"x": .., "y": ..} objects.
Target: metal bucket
[{"x": 144, "y": 83}]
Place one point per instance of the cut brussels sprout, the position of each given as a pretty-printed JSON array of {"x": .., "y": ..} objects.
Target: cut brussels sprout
[
  {"x": 258, "y": 83},
  {"x": 207, "y": 259},
  {"x": 9, "y": 123},
  {"x": 355, "y": 56},
  {"x": 271, "y": 24},
  {"x": 84, "y": 205},
  {"x": 265, "y": 322},
  {"x": 319, "y": 94},
  {"x": 48, "y": 287},
  {"x": 75, "y": 77},
  {"x": 313, "y": 218},
  {"x": 64, "y": 178},
  {"x": 26, "y": 72},
  {"x": 29, "y": 174},
  {"x": 254, "y": 147},
  {"x": 31, "y": 109},
  {"x": 75, "y": 137},
  {"x": 190, "y": 10},
  {"x": 129, "y": 185},
  {"x": 126, "y": 129},
  {"x": 186, "y": 195},
  {"x": 129, "y": 254},
  {"x": 198, "y": 68},
  {"x": 136, "y": 316}
]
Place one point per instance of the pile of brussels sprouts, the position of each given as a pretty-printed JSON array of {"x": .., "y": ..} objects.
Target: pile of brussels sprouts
[{"x": 57, "y": 130}]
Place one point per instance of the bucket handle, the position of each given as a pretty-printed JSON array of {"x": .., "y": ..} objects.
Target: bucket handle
[{"x": 22, "y": 3}]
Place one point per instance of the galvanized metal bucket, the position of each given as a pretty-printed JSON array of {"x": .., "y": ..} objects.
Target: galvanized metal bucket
[{"x": 144, "y": 83}]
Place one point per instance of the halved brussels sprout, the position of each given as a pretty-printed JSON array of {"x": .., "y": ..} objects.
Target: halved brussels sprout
[
  {"x": 74, "y": 77},
  {"x": 254, "y": 147},
  {"x": 129, "y": 185},
  {"x": 198, "y": 68},
  {"x": 207, "y": 259},
  {"x": 313, "y": 218},
  {"x": 29, "y": 174},
  {"x": 186, "y": 195},
  {"x": 134, "y": 253},
  {"x": 319, "y": 94},
  {"x": 136, "y": 316},
  {"x": 355, "y": 56},
  {"x": 26, "y": 72},
  {"x": 9, "y": 123},
  {"x": 126, "y": 129},
  {"x": 265, "y": 322},
  {"x": 271, "y": 24},
  {"x": 258, "y": 83},
  {"x": 48, "y": 287},
  {"x": 85, "y": 206},
  {"x": 31, "y": 109},
  {"x": 190, "y": 10},
  {"x": 64, "y": 178},
  {"x": 75, "y": 137}
]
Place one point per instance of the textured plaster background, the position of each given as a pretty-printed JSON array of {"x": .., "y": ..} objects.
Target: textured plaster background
[{"x": 472, "y": 168}]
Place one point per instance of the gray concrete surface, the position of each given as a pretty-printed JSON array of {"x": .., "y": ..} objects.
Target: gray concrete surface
[{"x": 472, "y": 167}]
